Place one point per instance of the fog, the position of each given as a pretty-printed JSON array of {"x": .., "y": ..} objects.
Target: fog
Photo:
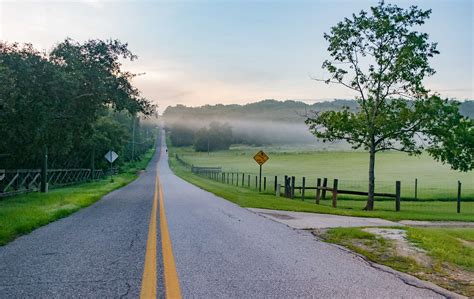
[{"x": 264, "y": 132}]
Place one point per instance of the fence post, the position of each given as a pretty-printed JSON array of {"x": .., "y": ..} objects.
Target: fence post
[
  {"x": 243, "y": 179},
  {"x": 276, "y": 182},
  {"x": 248, "y": 180},
  {"x": 256, "y": 182},
  {"x": 227, "y": 178},
  {"x": 277, "y": 190},
  {"x": 303, "y": 187},
  {"x": 264, "y": 183},
  {"x": 334, "y": 193},
  {"x": 397, "y": 195},
  {"x": 459, "y": 197},
  {"x": 44, "y": 171},
  {"x": 318, "y": 190},
  {"x": 285, "y": 183},
  {"x": 232, "y": 178},
  {"x": 325, "y": 184},
  {"x": 292, "y": 187},
  {"x": 416, "y": 188},
  {"x": 92, "y": 163}
]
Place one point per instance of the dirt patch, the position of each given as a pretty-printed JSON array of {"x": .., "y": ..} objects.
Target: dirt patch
[
  {"x": 391, "y": 247},
  {"x": 402, "y": 246},
  {"x": 467, "y": 243}
]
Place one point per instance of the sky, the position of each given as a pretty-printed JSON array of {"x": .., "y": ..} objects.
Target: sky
[{"x": 208, "y": 52}]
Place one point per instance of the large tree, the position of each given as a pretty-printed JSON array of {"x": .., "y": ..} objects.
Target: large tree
[
  {"x": 59, "y": 99},
  {"x": 383, "y": 59}
]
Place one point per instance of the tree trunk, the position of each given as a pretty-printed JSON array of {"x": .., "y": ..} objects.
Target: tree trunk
[{"x": 370, "y": 200}]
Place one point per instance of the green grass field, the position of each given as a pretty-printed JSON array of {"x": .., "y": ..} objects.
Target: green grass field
[
  {"x": 435, "y": 180},
  {"x": 237, "y": 160},
  {"x": 23, "y": 213}
]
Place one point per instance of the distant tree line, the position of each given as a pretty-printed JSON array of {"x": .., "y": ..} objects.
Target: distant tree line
[
  {"x": 73, "y": 102},
  {"x": 272, "y": 110},
  {"x": 217, "y": 136},
  {"x": 267, "y": 122}
]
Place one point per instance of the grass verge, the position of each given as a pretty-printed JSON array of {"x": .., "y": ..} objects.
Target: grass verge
[
  {"x": 23, "y": 213},
  {"x": 250, "y": 198},
  {"x": 449, "y": 260}
]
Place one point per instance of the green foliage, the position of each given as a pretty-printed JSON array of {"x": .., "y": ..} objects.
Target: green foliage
[
  {"x": 382, "y": 58},
  {"x": 217, "y": 137},
  {"x": 181, "y": 135},
  {"x": 60, "y": 100},
  {"x": 451, "y": 137}
]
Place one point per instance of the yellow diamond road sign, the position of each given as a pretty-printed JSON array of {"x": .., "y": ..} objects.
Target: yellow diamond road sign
[{"x": 260, "y": 157}]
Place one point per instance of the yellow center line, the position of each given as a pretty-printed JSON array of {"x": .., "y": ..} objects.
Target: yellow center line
[
  {"x": 149, "y": 279},
  {"x": 171, "y": 275},
  {"x": 149, "y": 272}
]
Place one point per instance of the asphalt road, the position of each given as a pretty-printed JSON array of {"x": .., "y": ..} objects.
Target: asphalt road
[
  {"x": 219, "y": 250},
  {"x": 97, "y": 252}
]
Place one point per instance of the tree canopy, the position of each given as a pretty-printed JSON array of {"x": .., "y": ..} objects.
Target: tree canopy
[
  {"x": 62, "y": 99},
  {"x": 384, "y": 59}
]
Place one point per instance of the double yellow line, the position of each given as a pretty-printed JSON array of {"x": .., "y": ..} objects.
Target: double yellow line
[{"x": 149, "y": 279}]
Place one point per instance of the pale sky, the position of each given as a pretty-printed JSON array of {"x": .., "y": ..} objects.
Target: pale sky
[{"x": 207, "y": 52}]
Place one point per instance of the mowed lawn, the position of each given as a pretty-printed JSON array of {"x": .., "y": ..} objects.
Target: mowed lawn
[{"x": 435, "y": 180}]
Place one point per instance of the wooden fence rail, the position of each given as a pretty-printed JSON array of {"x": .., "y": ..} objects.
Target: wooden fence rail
[
  {"x": 28, "y": 180},
  {"x": 289, "y": 186}
]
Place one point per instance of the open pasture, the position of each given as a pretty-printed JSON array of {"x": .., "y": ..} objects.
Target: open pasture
[{"x": 435, "y": 181}]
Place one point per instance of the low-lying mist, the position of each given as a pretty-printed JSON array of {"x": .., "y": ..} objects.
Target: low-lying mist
[{"x": 258, "y": 133}]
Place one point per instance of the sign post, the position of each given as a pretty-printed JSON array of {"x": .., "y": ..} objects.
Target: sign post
[
  {"x": 260, "y": 158},
  {"x": 111, "y": 156}
]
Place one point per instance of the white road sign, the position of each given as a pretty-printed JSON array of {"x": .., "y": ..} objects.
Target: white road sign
[{"x": 111, "y": 156}]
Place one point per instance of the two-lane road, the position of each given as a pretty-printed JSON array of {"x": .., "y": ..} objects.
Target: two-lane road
[{"x": 161, "y": 235}]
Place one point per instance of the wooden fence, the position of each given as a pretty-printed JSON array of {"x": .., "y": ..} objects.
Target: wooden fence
[
  {"x": 288, "y": 186},
  {"x": 182, "y": 162},
  {"x": 322, "y": 187},
  {"x": 28, "y": 180}
]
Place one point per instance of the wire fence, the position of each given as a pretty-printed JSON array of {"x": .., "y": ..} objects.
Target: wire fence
[{"x": 415, "y": 195}]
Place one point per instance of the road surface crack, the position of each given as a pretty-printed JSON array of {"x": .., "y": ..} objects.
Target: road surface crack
[
  {"x": 128, "y": 290},
  {"x": 132, "y": 242},
  {"x": 230, "y": 216}
]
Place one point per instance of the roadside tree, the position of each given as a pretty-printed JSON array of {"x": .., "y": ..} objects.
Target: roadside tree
[{"x": 383, "y": 59}]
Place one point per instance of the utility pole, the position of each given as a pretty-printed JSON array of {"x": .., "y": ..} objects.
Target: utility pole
[
  {"x": 133, "y": 138},
  {"x": 44, "y": 170},
  {"x": 93, "y": 163}
]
